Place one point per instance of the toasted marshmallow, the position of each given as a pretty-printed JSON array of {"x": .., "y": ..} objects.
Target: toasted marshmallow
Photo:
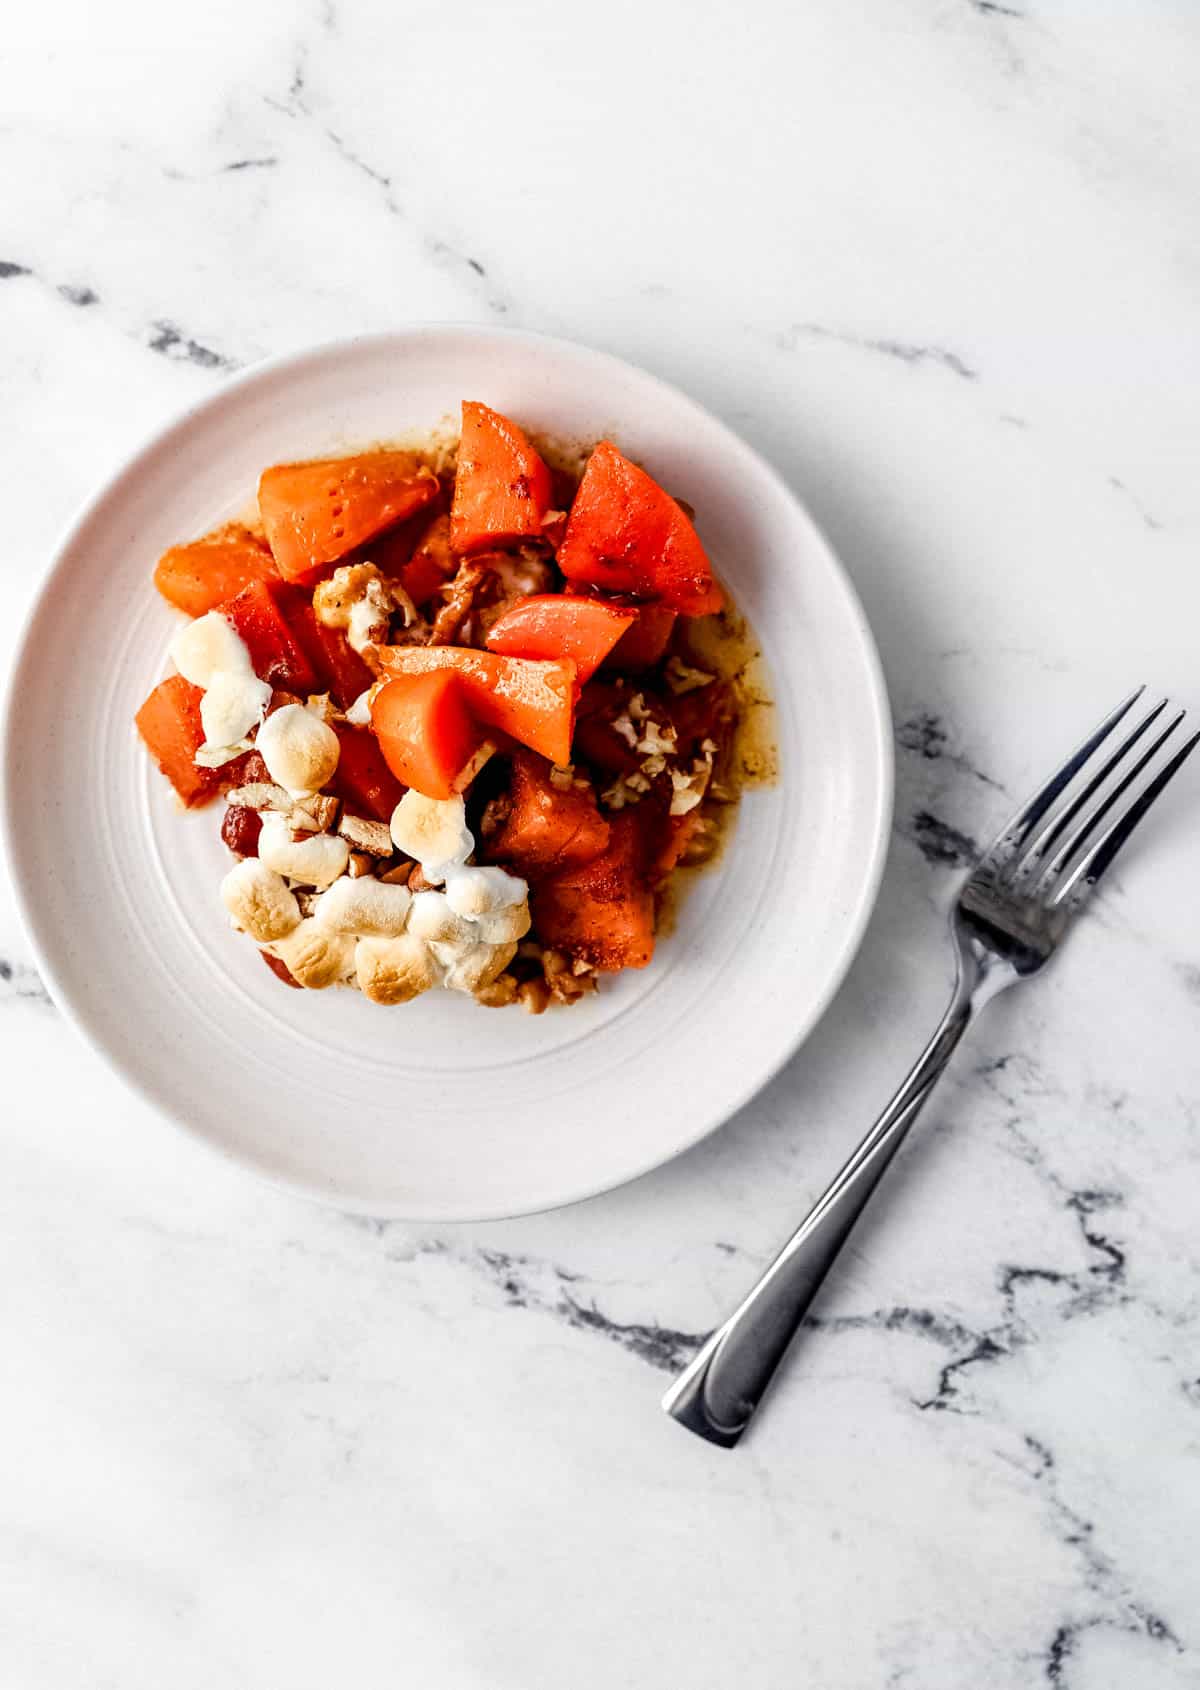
[
  {"x": 431, "y": 917},
  {"x": 300, "y": 750},
  {"x": 471, "y": 969},
  {"x": 474, "y": 892},
  {"x": 260, "y": 901},
  {"x": 434, "y": 831},
  {"x": 394, "y": 970},
  {"x": 207, "y": 647},
  {"x": 462, "y": 937},
  {"x": 233, "y": 703},
  {"x": 216, "y": 756},
  {"x": 315, "y": 956},
  {"x": 316, "y": 860},
  {"x": 210, "y": 653},
  {"x": 506, "y": 926},
  {"x": 365, "y": 906}
]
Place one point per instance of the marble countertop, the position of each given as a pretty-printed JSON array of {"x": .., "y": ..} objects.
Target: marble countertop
[{"x": 940, "y": 262}]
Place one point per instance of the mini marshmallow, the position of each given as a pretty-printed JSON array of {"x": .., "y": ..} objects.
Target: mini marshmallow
[
  {"x": 365, "y": 906},
  {"x": 474, "y": 892},
  {"x": 316, "y": 860},
  {"x": 207, "y": 647},
  {"x": 476, "y": 967},
  {"x": 434, "y": 831},
  {"x": 402, "y": 944},
  {"x": 234, "y": 703},
  {"x": 210, "y": 653},
  {"x": 506, "y": 926},
  {"x": 314, "y": 956},
  {"x": 300, "y": 750},
  {"x": 394, "y": 970},
  {"x": 260, "y": 901},
  {"x": 431, "y": 917}
]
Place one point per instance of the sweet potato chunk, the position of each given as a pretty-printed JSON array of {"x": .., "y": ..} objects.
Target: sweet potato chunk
[
  {"x": 314, "y": 513},
  {"x": 549, "y": 827},
  {"x": 431, "y": 564},
  {"x": 339, "y": 669},
  {"x": 602, "y": 911},
  {"x": 502, "y": 488},
  {"x": 641, "y": 646},
  {"x": 533, "y": 702},
  {"x": 363, "y": 780},
  {"x": 275, "y": 653},
  {"x": 203, "y": 574},
  {"x": 625, "y": 534},
  {"x": 425, "y": 730},
  {"x": 553, "y": 625},
  {"x": 169, "y": 722}
]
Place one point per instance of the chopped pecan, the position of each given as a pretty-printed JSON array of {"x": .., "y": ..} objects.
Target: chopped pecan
[
  {"x": 358, "y": 600},
  {"x": 409, "y": 613},
  {"x": 499, "y": 993},
  {"x": 477, "y": 760},
  {"x": 511, "y": 576},
  {"x": 483, "y": 589},
  {"x": 533, "y": 995},
  {"x": 565, "y": 985},
  {"x": 701, "y": 843},
  {"x": 399, "y": 876},
  {"x": 554, "y": 526},
  {"x": 365, "y": 835},
  {"x": 684, "y": 677},
  {"x": 315, "y": 814},
  {"x": 458, "y": 597},
  {"x": 261, "y": 795}
]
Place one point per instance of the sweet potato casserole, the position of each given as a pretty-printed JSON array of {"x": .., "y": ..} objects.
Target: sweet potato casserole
[{"x": 456, "y": 707}]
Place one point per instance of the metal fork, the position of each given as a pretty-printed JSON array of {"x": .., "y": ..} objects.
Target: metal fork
[{"x": 1008, "y": 920}]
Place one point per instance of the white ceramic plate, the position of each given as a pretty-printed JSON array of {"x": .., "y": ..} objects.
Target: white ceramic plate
[{"x": 439, "y": 1109}]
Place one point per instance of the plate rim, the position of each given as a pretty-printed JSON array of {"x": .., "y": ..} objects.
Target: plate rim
[{"x": 111, "y": 485}]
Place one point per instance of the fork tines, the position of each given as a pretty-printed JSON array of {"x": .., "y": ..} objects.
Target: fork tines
[{"x": 1061, "y": 842}]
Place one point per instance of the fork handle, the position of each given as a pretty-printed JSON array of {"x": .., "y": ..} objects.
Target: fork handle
[{"x": 717, "y": 1393}]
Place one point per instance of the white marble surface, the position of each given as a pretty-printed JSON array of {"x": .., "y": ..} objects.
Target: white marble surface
[{"x": 940, "y": 261}]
